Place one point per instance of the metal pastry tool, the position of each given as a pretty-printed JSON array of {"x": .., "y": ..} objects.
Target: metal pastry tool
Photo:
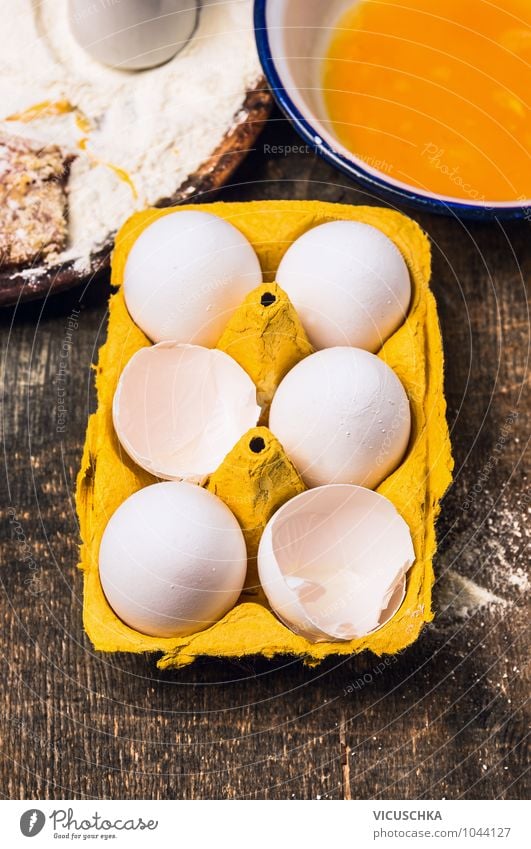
[{"x": 133, "y": 34}]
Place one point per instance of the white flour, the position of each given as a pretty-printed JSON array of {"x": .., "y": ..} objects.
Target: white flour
[
  {"x": 459, "y": 597},
  {"x": 157, "y": 125}
]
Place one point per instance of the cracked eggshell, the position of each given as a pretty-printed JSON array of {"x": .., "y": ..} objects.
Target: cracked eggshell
[
  {"x": 342, "y": 416},
  {"x": 333, "y": 562},
  {"x": 349, "y": 284},
  {"x": 179, "y": 409},
  {"x": 186, "y": 274},
  {"x": 172, "y": 560}
]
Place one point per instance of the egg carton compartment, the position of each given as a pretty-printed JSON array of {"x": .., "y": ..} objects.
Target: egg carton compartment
[{"x": 108, "y": 477}]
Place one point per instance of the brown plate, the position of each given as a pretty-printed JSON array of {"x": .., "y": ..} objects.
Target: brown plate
[{"x": 17, "y": 286}]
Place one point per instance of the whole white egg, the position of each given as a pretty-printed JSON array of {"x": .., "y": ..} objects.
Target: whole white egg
[
  {"x": 342, "y": 416},
  {"x": 186, "y": 274},
  {"x": 349, "y": 284},
  {"x": 172, "y": 559}
]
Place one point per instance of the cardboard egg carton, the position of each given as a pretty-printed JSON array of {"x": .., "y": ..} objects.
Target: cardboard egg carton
[{"x": 107, "y": 476}]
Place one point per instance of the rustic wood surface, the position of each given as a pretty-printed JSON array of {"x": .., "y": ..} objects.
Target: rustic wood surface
[{"x": 447, "y": 718}]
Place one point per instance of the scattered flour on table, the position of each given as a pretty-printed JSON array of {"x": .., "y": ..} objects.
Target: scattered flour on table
[
  {"x": 158, "y": 126},
  {"x": 498, "y": 557},
  {"x": 519, "y": 579},
  {"x": 459, "y": 597}
]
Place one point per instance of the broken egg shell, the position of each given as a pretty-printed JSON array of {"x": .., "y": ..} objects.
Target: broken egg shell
[
  {"x": 179, "y": 409},
  {"x": 342, "y": 416},
  {"x": 186, "y": 274},
  {"x": 333, "y": 562},
  {"x": 172, "y": 560}
]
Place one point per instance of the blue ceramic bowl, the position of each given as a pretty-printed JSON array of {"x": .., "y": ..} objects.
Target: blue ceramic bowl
[{"x": 291, "y": 37}]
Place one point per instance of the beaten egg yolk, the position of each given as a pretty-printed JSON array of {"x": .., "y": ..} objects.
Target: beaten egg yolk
[{"x": 434, "y": 93}]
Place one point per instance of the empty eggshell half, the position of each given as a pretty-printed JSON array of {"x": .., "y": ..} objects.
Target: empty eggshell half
[
  {"x": 172, "y": 560},
  {"x": 179, "y": 409},
  {"x": 342, "y": 416},
  {"x": 186, "y": 274},
  {"x": 333, "y": 562},
  {"x": 349, "y": 284}
]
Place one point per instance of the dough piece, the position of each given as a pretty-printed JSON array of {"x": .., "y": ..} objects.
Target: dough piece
[{"x": 33, "y": 205}]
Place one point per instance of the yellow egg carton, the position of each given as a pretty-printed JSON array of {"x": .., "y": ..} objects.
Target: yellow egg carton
[{"x": 255, "y": 484}]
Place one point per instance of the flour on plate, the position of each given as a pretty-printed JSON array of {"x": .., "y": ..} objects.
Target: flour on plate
[{"x": 136, "y": 135}]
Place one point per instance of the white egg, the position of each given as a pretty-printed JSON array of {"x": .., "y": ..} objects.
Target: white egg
[
  {"x": 342, "y": 416},
  {"x": 333, "y": 560},
  {"x": 179, "y": 409},
  {"x": 186, "y": 274},
  {"x": 172, "y": 560},
  {"x": 349, "y": 284}
]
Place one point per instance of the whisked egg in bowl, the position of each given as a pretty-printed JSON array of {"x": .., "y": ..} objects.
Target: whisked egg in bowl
[{"x": 423, "y": 102}]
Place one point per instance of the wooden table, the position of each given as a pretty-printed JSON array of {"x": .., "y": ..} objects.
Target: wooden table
[{"x": 444, "y": 719}]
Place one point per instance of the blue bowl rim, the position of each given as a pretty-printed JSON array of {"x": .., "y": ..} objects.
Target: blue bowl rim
[{"x": 384, "y": 188}]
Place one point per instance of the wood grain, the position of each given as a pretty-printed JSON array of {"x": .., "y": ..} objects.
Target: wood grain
[{"x": 446, "y": 718}]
